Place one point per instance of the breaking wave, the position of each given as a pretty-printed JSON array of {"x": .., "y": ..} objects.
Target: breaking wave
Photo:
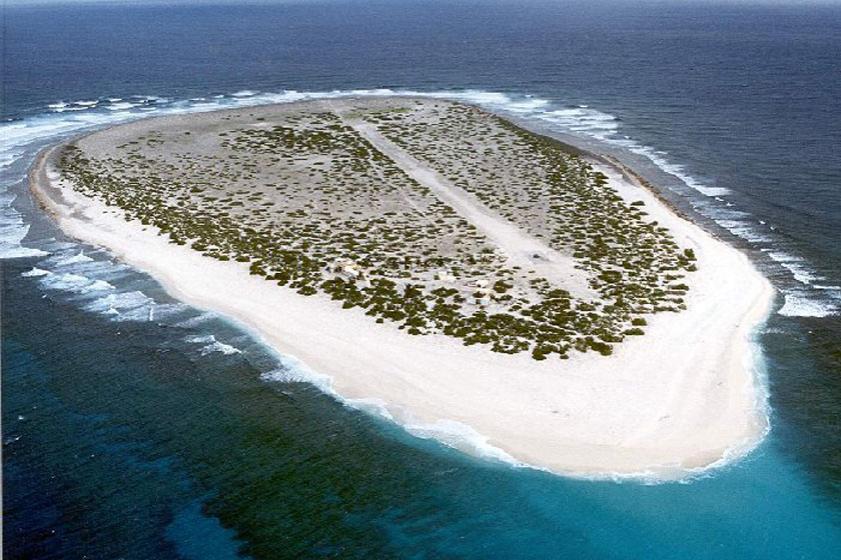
[
  {"x": 13, "y": 230},
  {"x": 211, "y": 345},
  {"x": 91, "y": 282}
]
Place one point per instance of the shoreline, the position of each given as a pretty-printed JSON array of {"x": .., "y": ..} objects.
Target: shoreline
[{"x": 580, "y": 418}]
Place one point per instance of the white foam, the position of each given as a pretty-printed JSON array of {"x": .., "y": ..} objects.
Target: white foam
[
  {"x": 35, "y": 272},
  {"x": 798, "y": 267},
  {"x": 121, "y": 106},
  {"x": 8, "y": 156},
  {"x": 283, "y": 375},
  {"x": 79, "y": 263},
  {"x": 678, "y": 171},
  {"x": 106, "y": 270},
  {"x": 16, "y": 252},
  {"x": 802, "y": 304},
  {"x": 197, "y": 320},
  {"x": 527, "y": 105},
  {"x": 156, "y": 312},
  {"x": 79, "y": 257},
  {"x": 119, "y": 303},
  {"x": 212, "y": 345},
  {"x": 291, "y": 370},
  {"x": 226, "y": 349},
  {"x": 463, "y": 438},
  {"x": 744, "y": 229},
  {"x": 75, "y": 283},
  {"x": 13, "y": 230},
  {"x": 18, "y": 136},
  {"x": 200, "y": 339}
]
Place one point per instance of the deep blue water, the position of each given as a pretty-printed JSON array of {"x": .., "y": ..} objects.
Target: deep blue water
[{"x": 128, "y": 432}]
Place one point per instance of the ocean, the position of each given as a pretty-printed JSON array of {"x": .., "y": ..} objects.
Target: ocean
[{"x": 135, "y": 426}]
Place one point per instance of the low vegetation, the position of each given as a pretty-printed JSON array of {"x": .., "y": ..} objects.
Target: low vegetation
[{"x": 304, "y": 201}]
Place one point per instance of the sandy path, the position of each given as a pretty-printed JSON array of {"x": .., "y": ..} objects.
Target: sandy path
[{"x": 519, "y": 248}]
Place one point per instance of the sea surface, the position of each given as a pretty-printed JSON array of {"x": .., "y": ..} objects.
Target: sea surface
[{"x": 134, "y": 426}]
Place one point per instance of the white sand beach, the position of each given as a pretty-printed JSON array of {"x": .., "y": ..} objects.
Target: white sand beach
[{"x": 682, "y": 397}]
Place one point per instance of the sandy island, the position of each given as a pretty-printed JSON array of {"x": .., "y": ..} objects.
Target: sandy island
[{"x": 682, "y": 397}]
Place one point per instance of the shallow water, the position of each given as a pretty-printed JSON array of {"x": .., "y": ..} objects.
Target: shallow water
[{"x": 134, "y": 426}]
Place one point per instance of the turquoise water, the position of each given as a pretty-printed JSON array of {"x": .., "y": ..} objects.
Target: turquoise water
[
  {"x": 150, "y": 449},
  {"x": 129, "y": 432}
]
